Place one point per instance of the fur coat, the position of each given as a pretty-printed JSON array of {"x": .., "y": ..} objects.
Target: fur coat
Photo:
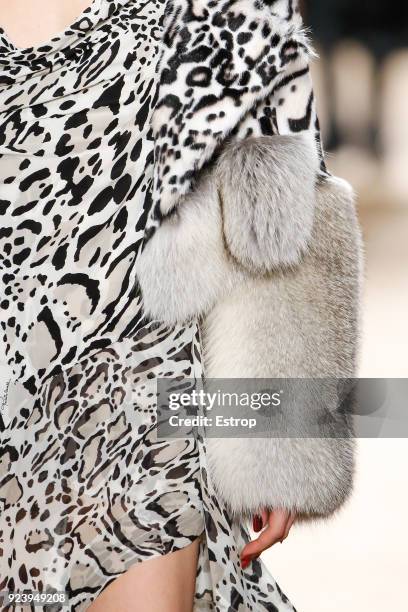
[{"x": 250, "y": 234}]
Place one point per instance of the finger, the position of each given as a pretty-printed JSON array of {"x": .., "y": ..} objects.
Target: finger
[
  {"x": 265, "y": 516},
  {"x": 267, "y": 538},
  {"x": 277, "y": 520},
  {"x": 273, "y": 533},
  {"x": 291, "y": 520}
]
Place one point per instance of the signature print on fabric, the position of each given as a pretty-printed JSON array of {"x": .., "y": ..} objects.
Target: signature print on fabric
[{"x": 88, "y": 490}]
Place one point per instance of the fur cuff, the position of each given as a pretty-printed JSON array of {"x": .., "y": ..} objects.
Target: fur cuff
[
  {"x": 302, "y": 323},
  {"x": 267, "y": 192},
  {"x": 203, "y": 250},
  {"x": 311, "y": 476}
]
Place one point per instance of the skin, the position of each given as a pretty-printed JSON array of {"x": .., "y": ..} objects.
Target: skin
[
  {"x": 162, "y": 584},
  {"x": 274, "y": 526},
  {"x": 31, "y": 23},
  {"x": 171, "y": 576}
]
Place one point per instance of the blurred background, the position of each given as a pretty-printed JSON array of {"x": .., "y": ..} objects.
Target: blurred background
[
  {"x": 361, "y": 86},
  {"x": 357, "y": 561}
]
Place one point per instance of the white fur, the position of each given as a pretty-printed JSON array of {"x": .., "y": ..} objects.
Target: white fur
[
  {"x": 311, "y": 476},
  {"x": 265, "y": 221},
  {"x": 267, "y": 187},
  {"x": 184, "y": 268}
]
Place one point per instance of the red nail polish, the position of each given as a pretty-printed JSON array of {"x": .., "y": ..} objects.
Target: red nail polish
[
  {"x": 257, "y": 523},
  {"x": 245, "y": 562}
]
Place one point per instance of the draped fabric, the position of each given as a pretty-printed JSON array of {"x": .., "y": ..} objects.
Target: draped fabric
[
  {"x": 102, "y": 129},
  {"x": 76, "y": 160}
]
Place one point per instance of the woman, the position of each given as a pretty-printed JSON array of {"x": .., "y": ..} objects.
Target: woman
[{"x": 115, "y": 137}]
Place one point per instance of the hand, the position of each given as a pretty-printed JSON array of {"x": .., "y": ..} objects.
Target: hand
[{"x": 277, "y": 525}]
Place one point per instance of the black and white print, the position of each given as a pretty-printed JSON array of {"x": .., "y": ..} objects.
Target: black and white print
[{"x": 97, "y": 141}]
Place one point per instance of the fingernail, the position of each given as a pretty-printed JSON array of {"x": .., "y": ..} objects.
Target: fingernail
[
  {"x": 245, "y": 561},
  {"x": 257, "y": 523}
]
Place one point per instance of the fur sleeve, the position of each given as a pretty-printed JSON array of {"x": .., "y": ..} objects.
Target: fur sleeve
[
  {"x": 277, "y": 291},
  {"x": 253, "y": 238},
  {"x": 303, "y": 323}
]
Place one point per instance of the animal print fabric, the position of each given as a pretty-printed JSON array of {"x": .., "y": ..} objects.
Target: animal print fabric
[
  {"x": 76, "y": 160},
  {"x": 86, "y": 171},
  {"x": 89, "y": 491},
  {"x": 229, "y": 69}
]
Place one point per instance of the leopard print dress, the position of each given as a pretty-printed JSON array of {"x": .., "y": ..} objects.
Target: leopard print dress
[{"x": 86, "y": 488}]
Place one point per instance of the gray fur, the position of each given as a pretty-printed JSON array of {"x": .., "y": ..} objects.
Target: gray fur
[
  {"x": 296, "y": 323},
  {"x": 267, "y": 194}
]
